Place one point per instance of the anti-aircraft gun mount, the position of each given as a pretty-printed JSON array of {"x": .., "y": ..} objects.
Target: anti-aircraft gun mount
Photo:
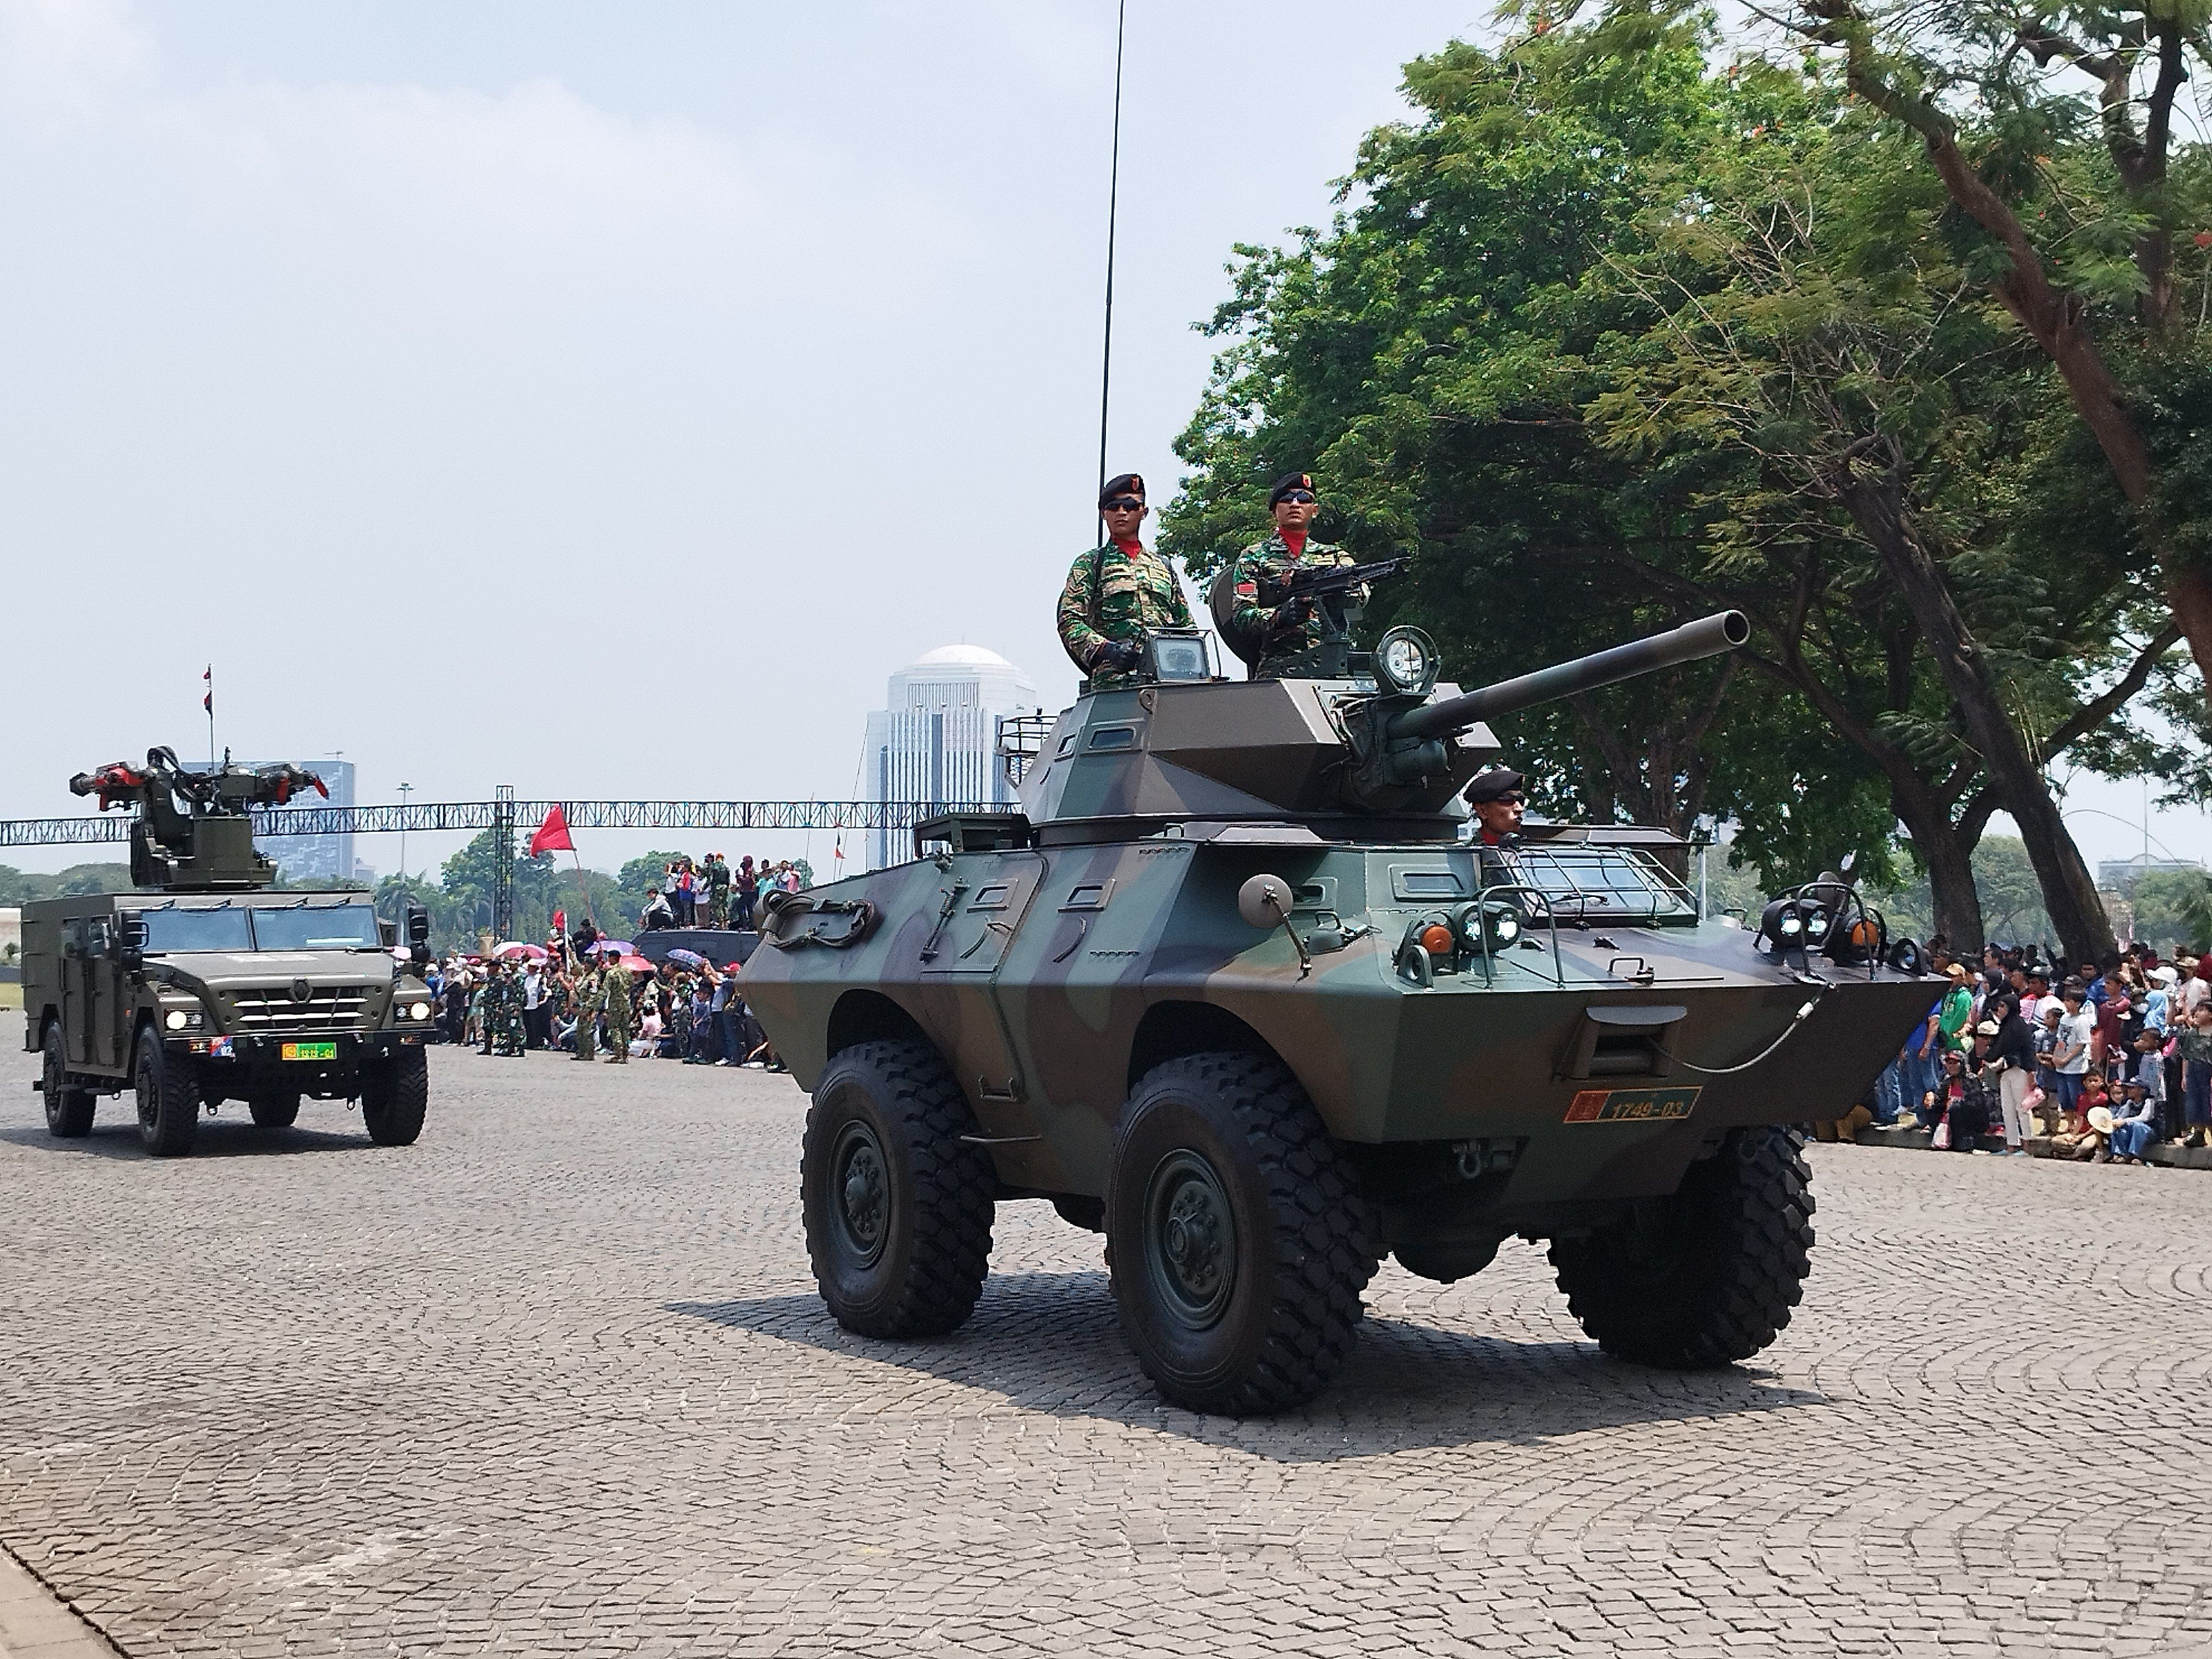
[
  {"x": 209, "y": 983},
  {"x": 1238, "y": 988},
  {"x": 194, "y": 833}
]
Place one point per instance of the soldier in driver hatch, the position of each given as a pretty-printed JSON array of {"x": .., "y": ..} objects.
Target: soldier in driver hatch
[
  {"x": 1288, "y": 630},
  {"x": 1499, "y": 800},
  {"x": 1118, "y": 592}
]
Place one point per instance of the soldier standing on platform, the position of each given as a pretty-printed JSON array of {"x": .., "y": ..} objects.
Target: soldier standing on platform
[
  {"x": 1285, "y": 632},
  {"x": 1118, "y": 592}
]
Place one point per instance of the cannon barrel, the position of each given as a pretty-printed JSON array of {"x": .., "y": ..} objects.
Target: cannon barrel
[{"x": 1708, "y": 636}]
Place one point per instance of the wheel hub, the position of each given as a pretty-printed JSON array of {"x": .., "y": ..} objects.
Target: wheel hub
[
  {"x": 1190, "y": 1239},
  {"x": 863, "y": 1190}
]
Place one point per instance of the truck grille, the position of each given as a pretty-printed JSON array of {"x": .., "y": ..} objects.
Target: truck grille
[{"x": 328, "y": 1007}]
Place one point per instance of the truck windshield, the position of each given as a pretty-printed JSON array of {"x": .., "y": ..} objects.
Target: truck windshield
[
  {"x": 344, "y": 925},
  {"x": 171, "y": 928}
]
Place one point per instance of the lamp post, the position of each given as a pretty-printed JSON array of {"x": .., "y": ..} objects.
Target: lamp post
[{"x": 406, "y": 790}]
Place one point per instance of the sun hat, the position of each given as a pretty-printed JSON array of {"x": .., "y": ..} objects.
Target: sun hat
[{"x": 2100, "y": 1119}]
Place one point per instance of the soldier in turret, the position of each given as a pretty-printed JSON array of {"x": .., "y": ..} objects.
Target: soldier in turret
[
  {"x": 1285, "y": 632},
  {"x": 1499, "y": 800},
  {"x": 1117, "y": 592}
]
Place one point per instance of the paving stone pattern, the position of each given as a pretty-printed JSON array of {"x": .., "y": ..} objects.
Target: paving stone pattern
[{"x": 554, "y": 1381}]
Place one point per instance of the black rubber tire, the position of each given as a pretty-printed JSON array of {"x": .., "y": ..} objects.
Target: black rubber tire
[
  {"x": 897, "y": 1207},
  {"x": 168, "y": 1100},
  {"x": 395, "y": 1093},
  {"x": 1301, "y": 1244},
  {"x": 69, "y": 1110},
  {"x": 1706, "y": 1277},
  {"x": 274, "y": 1108}
]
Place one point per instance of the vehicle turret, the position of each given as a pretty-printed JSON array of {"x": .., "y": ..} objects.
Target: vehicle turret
[
  {"x": 194, "y": 833},
  {"x": 1377, "y": 757}
]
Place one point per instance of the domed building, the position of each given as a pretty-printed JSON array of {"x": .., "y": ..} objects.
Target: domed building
[{"x": 936, "y": 738}]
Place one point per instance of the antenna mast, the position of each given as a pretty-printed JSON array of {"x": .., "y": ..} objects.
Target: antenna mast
[{"x": 1113, "y": 206}]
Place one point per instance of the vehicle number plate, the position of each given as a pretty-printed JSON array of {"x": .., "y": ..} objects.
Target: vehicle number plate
[
  {"x": 1629, "y": 1105},
  {"x": 311, "y": 1051}
]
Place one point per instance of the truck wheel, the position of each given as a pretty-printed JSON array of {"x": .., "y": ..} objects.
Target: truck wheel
[
  {"x": 168, "y": 1100},
  {"x": 898, "y": 1208},
  {"x": 1237, "y": 1240},
  {"x": 274, "y": 1108},
  {"x": 394, "y": 1094},
  {"x": 1708, "y": 1276},
  {"x": 69, "y": 1111}
]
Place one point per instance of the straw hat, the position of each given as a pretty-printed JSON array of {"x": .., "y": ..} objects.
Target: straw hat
[{"x": 2100, "y": 1119}]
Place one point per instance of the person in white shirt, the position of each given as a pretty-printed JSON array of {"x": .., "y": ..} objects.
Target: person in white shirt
[{"x": 2071, "y": 1058}]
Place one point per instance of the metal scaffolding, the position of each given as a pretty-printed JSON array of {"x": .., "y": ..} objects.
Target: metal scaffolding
[{"x": 90, "y": 830}]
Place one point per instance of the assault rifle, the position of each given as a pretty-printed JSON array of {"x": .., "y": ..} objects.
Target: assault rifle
[{"x": 1303, "y": 588}]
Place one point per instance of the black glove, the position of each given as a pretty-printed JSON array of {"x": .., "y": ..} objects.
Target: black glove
[
  {"x": 1119, "y": 656},
  {"x": 1289, "y": 615}
]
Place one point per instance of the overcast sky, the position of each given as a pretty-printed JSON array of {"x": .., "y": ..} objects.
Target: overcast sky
[{"x": 599, "y": 399}]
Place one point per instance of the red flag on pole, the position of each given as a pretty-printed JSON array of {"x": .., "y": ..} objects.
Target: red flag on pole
[
  {"x": 552, "y": 835},
  {"x": 207, "y": 702}
]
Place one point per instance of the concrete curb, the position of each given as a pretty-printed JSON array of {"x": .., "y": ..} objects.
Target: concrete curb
[
  {"x": 36, "y": 1624},
  {"x": 2165, "y": 1152}
]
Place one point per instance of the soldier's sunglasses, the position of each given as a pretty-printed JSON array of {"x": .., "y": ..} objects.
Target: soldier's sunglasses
[
  {"x": 1126, "y": 504},
  {"x": 1301, "y": 496}
]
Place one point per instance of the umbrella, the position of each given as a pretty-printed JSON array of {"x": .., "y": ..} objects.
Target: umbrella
[
  {"x": 514, "y": 948},
  {"x": 619, "y": 947},
  {"x": 689, "y": 959},
  {"x": 637, "y": 964}
]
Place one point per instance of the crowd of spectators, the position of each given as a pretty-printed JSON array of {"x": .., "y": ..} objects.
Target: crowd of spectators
[
  {"x": 2102, "y": 1062},
  {"x": 590, "y": 996}
]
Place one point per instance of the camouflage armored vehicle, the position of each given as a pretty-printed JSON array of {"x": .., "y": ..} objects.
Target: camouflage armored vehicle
[
  {"x": 204, "y": 985},
  {"x": 1239, "y": 989}
]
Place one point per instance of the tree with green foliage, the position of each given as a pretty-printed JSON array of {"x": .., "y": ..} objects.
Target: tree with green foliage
[{"x": 1606, "y": 343}]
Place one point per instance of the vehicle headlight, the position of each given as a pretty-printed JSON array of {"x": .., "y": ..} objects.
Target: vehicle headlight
[
  {"x": 419, "y": 1011},
  {"x": 182, "y": 1019}
]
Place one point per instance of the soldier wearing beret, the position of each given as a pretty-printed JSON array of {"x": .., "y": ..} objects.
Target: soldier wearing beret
[
  {"x": 1499, "y": 800},
  {"x": 1284, "y": 632},
  {"x": 1118, "y": 592}
]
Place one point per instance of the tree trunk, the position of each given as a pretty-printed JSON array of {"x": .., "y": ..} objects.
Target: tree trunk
[
  {"x": 1949, "y": 856},
  {"x": 1876, "y": 504}
]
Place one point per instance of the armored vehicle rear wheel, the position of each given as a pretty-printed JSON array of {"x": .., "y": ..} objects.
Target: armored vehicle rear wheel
[
  {"x": 395, "y": 1092},
  {"x": 1239, "y": 1240},
  {"x": 69, "y": 1111},
  {"x": 898, "y": 1207},
  {"x": 168, "y": 1100},
  {"x": 1708, "y": 1276},
  {"x": 274, "y": 1108}
]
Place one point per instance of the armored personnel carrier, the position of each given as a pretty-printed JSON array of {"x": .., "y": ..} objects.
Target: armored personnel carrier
[
  {"x": 206, "y": 985},
  {"x": 1238, "y": 988}
]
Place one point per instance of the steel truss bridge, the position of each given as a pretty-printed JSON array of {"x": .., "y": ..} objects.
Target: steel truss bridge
[{"x": 503, "y": 815}]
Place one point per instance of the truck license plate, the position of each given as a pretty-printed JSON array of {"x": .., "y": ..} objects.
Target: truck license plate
[
  {"x": 311, "y": 1051},
  {"x": 1629, "y": 1105}
]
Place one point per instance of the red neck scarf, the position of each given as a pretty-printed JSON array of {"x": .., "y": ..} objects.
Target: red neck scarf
[{"x": 1295, "y": 540}]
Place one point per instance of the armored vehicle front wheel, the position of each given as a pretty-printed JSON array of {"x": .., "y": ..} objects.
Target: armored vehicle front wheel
[
  {"x": 395, "y": 1092},
  {"x": 168, "y": 1100},
  {"x": 898, "y": 1207},
  {"x": 1708, "y": 1276},
  {"x": 69, "y": 1111},
  {"x": 1239, "y": 1240},
  {"x": 274, "y": 1108}
]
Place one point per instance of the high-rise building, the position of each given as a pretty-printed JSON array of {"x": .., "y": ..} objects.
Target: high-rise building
[{"x": 936, "y": 738}]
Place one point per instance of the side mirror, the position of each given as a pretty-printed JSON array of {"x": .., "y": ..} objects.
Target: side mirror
[
  {"x": 387, "y": 932},
  {"x": 418, "y": 923}
]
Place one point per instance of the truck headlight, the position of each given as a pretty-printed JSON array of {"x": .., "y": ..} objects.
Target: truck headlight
[
  {"x": 419, "y": 1011},
  {"x": 182, "y": 1020}
]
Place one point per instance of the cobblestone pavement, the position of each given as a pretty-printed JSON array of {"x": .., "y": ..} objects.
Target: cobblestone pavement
[{"x": 554, "y": 1381}]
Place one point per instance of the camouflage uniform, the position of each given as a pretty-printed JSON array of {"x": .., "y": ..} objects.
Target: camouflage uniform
[
  {"x": 1111, "y": 596},
  {"x": 513, "y": 1031},
  {"x": 1270, "y": 561},
  {"x": 717, "y": 893},
  {"x": 587, "y": 1016},
  {"x": 614, "y": 997}
]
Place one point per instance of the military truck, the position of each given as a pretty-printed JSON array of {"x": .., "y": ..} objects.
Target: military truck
[
  {"x": 1240, "y": 988},
  {"x": 205, "y": 984}
]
